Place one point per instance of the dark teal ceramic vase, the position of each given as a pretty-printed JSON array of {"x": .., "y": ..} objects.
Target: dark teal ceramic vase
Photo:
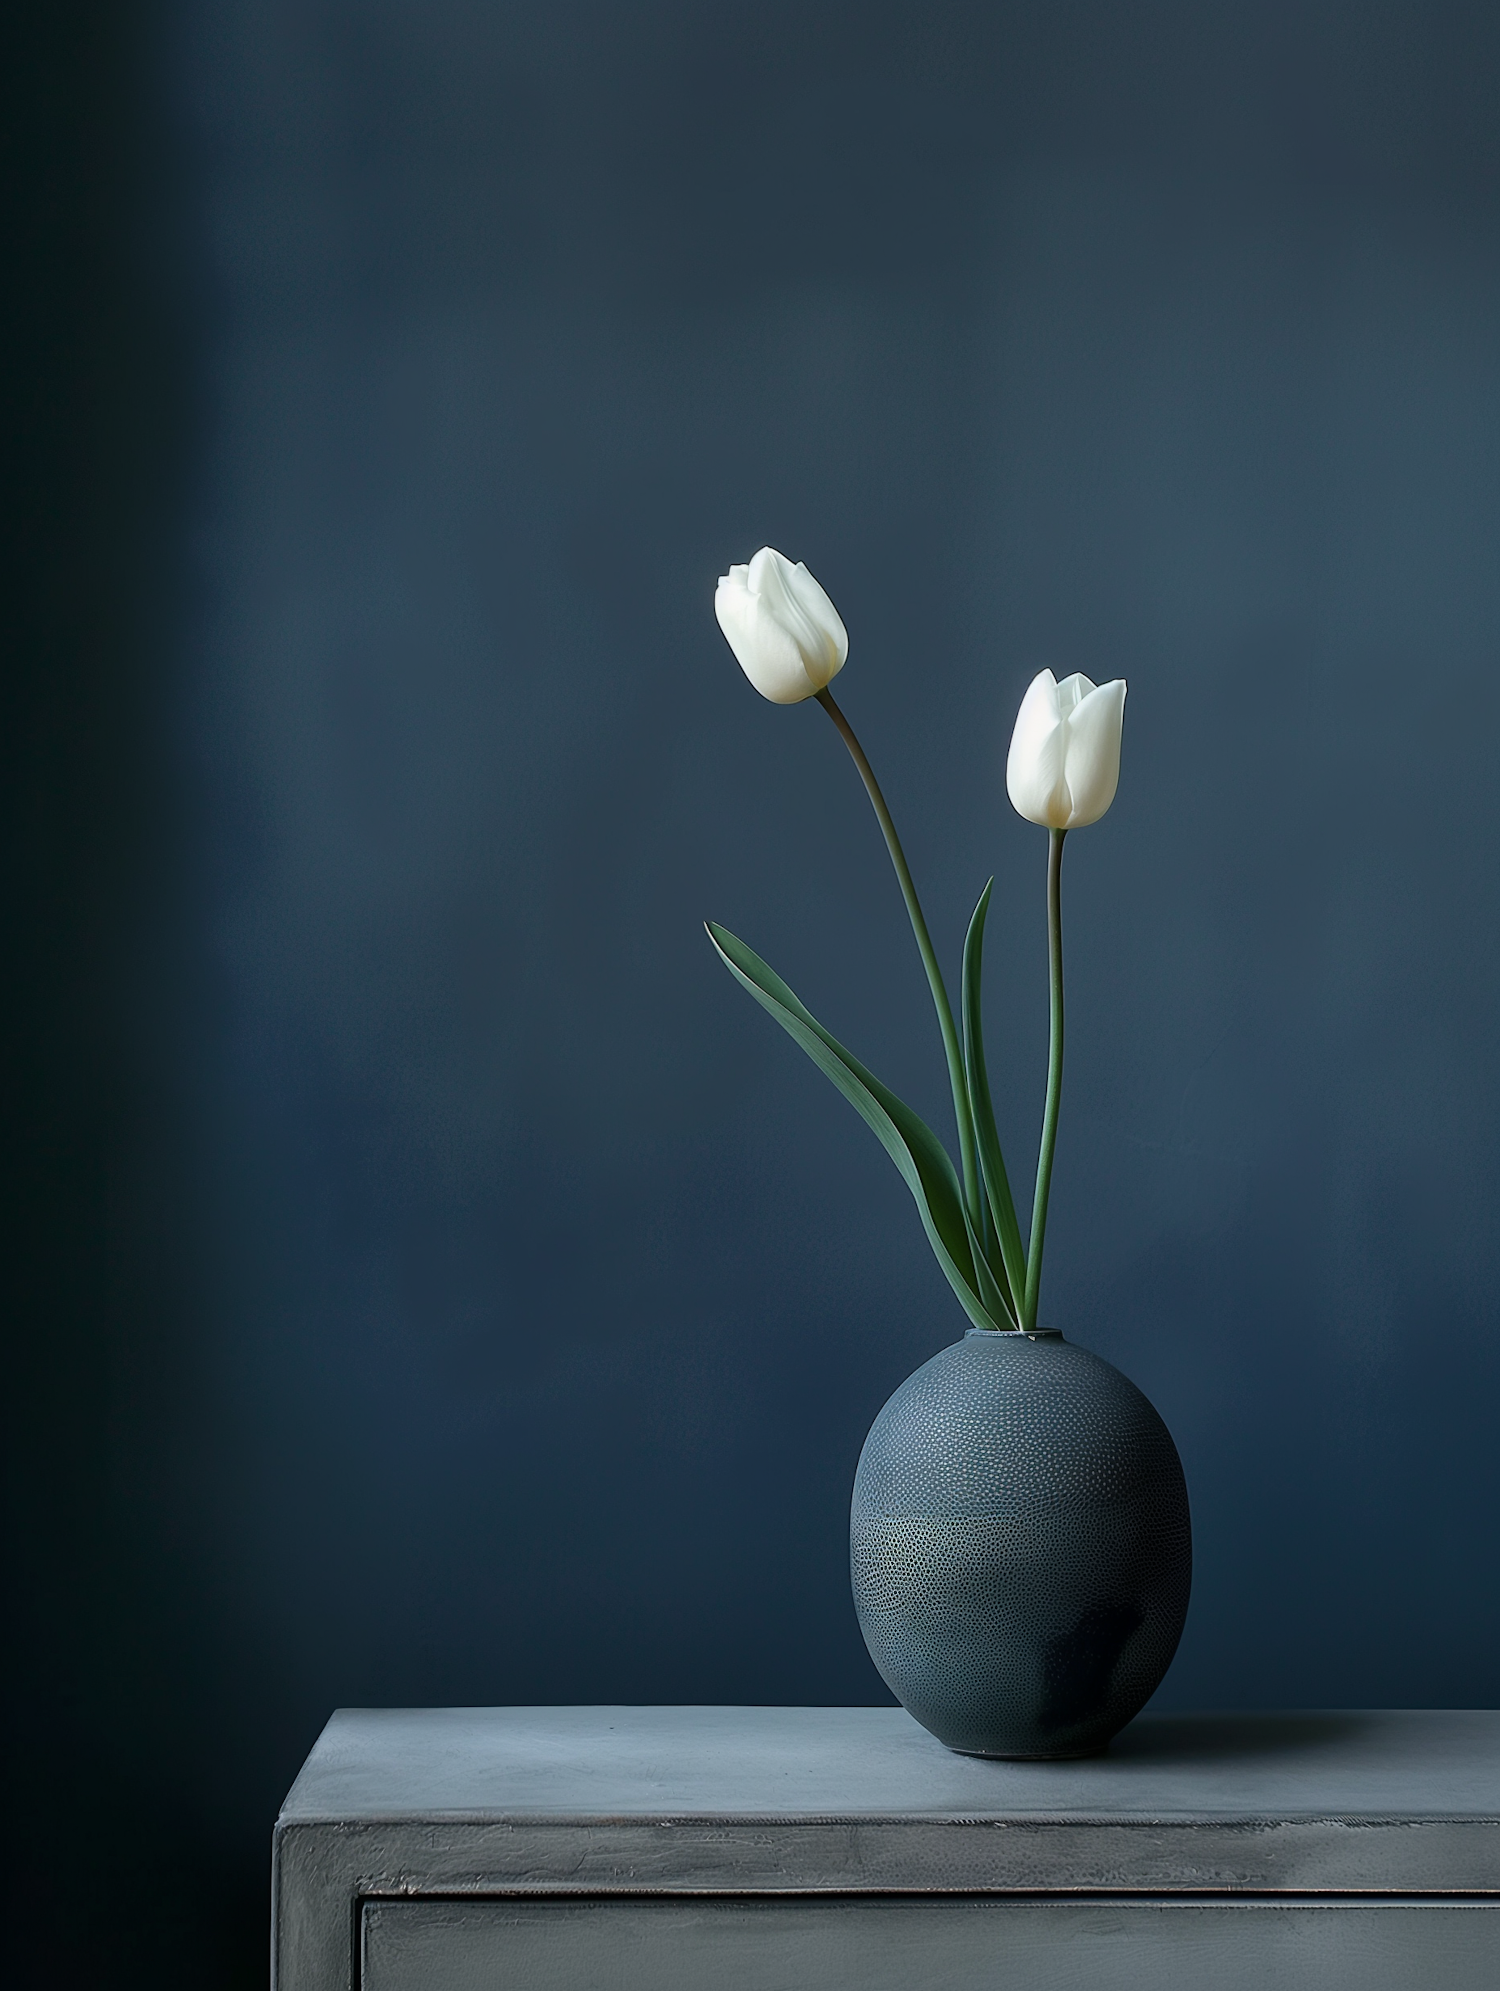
[{"x": 1020, "y": 1547}]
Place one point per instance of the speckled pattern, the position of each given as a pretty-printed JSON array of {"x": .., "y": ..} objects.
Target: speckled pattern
[{"x": 1020, "y": 1546}]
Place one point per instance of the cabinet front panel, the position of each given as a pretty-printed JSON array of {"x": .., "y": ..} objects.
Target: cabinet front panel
[{"x": 928, "y": 1944}]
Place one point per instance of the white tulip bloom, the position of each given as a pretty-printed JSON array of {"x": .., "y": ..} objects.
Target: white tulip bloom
[
  {"x": 781, "y": 626},
  {"x": 1064, "y": 762}
]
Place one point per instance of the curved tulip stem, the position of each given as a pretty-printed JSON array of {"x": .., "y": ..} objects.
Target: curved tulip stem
[
  {"x": 1054, "y": 1081},
  {"x": 951, "y": 1047}
]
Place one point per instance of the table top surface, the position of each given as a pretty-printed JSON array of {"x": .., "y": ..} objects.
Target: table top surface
[{"x": 788, "y": 1764}]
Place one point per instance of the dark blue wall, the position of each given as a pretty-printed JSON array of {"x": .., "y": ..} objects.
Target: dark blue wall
[{"x": 439, "y": 1283}]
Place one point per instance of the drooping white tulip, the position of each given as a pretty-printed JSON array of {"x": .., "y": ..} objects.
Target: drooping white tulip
[
  {"x": 1064, "y": 761},
  {"x": 781, "y": 626}
]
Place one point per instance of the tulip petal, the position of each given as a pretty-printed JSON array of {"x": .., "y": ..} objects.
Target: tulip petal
[
  {"x": 1072, "y": 691},
  {"x": 799, "y": 605},
  {"x": 784, "y": 631},
  {"x": 827, "y": 638},
  {"x": 1092, "y": 754},
  {"x": 765, "y": 650},
  {"x": 1034, "y": 775}
]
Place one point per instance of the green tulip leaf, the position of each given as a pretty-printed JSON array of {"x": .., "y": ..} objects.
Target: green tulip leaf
[
  {"x": 920, "y": 1157},
  {"x": 986, "y": 1138},
  {"x": 994, "y": 1291}
]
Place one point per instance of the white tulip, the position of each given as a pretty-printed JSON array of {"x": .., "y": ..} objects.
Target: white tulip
[
  {"x": 1064, "y": 762},
  {"x": 781, "y": 626}
]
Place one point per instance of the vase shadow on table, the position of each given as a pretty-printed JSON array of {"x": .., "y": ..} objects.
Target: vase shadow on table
[{"x": 1177, "y": 1738}]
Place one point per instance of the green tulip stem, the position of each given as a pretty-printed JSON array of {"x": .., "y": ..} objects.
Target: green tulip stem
[
  {"x": 929, "y": 961},
  {"x": 1054, "y": 1081}
]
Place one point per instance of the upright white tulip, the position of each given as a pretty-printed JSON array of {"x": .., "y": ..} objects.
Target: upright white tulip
[
  {"x": 781, "y": 626},
  {"x": 1064, "y": 762}
]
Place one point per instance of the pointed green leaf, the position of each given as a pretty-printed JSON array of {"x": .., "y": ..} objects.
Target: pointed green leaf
[
  {"x": 994, "y": 1291},
  {"x": 986, "y": 1138},
  {"x": 919, "y": 1155}
]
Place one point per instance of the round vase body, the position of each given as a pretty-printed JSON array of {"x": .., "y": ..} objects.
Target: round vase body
[{"x": 1020, "y": 1546}]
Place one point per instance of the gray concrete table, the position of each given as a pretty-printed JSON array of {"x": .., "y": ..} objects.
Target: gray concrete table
[{"x": 775, "y": 1849}]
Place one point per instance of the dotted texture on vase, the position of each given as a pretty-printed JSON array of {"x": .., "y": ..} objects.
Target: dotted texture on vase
[{"x": 1020, "y": 1546}]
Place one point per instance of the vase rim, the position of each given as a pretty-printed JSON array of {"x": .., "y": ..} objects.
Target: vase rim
[{"x": 1013, "y": 1334}]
